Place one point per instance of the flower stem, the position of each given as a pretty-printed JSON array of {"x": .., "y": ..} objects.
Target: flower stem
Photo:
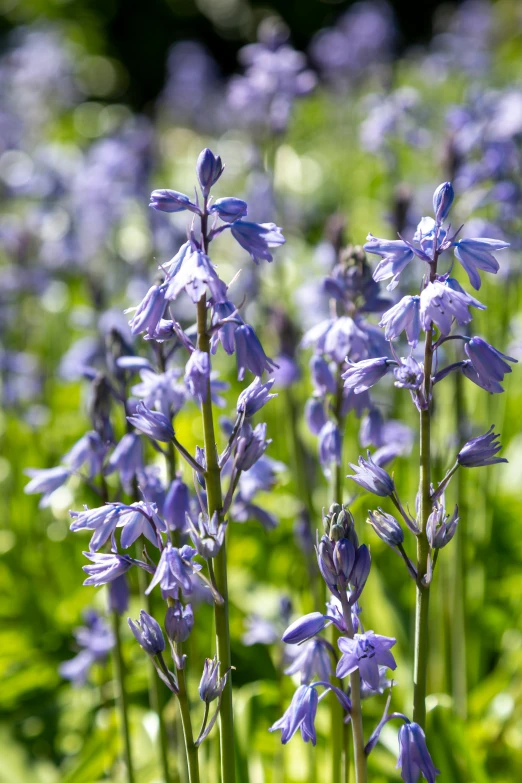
[
  {"x": 359, "y": 756},
  {"x": 184, "y": 708},
  {"x": 122, "y": 696},
  {"x": 215, "y": 503}
]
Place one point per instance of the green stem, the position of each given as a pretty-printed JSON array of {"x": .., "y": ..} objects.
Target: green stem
[
  {"x": 184, "y": 708},
  {"x": 359, "y": 756},
  {"x": 215, "y": 503},
  {"x": 122, "y": 696},
  {"x": 458, "y": 636}
]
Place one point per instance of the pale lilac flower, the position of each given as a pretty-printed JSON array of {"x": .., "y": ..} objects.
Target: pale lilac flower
[
  {"x": 366, "y": 652},
  {"x": 101, "y": 520},
  {"x": 179, "y": 622},
  {"x": 171, "y": 201},
  {"x": 45, "y": 481},
  {"x": 250, "y": 354},
  {"x": 254, "y": 397},
  {"x": 488, "y": 363},
  {"x": 195, "y": 276},
  {"x": 148, "y": 633},
  {"x": 89, "y": 450},
  {"x": 127, "y": 459},
  {"x": 386, "y": 527},
  {"x": 404, "y": 316},
  {"x": 119, "y": 595},
  {"x": 395, "y": 254},
  {"x": 345, "y": 338},
  {"x": 364, "y": 374},
  {"x": 414, "y": 758},
  {"x": 229, "y": 209},
  {"x": 299, "y": 715},
  {"x": 197, "y": 374},
  {"x": 149, "y": 312},
  {"x": 476, "y": 254},
  {"x": 175, "y": 569},
  {"x": 106, "y": 567},
  {"x": 139, "y": 519},
  {"x": 440, "y": 527},
  {"x": 257, "y": 238},
  {"x": 304, "y": 628},
  {"x": 251, "y": 445},
  {"x": 209, "y": 535},
  {"x": 211, "y": 686},
  {"x": 161, "y": 390},
  {"x": 261, "y": 477},
  {"x": 152, "y": 423},
  {"x": 481, "y": 451},
  {"x": 440, "y": 303},
  {"x": 313, "y": 659},
  {"x": 442, "y": 201},
  {"x": 372, "y": 478},
  {"x": 330, "y": 444}
]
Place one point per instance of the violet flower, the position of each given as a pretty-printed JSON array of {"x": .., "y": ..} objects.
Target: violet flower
[
  {"x": 313, "y": 659},
  {"x": 106, "y": 567},
  {"x": 442, "y": 201},
  {"x": 364, "y": 374},
  {"x": 476, "y": 254},
  {"x": 209, "y": 168},
  {"x": 404, "y": 316},
  {"x": 250, "y": 354},
  {"x": 229, "y": 209},
  {"x": 299, "y": 715},
  {"x": 152, "y": 423},
  {"x": 330, "y": 444},
  {"x": 481, "y": 451},
  {"x": 126, "y": 459},
  {"x": 179, "y": 622},
  {"x": 395, "y": 254},
  {"x": 149, "y": 312},
  {"x": 414, "y": 759},
  {"x": 254, "y": 397},
  {"x": 197, "y": 374},
  {"x": 386, "y": 527},
  {"x": 45, "y": 481},
  {"x": 366, "y": 652},
  {"x": 441, "y": 302},
  {"x": 372, "y": 478},
  {"x": 175, "y": 569},
  {"x": 148, "y": 633},
  {"x": 304, "y": 628},
  {"x": 488, "y": 363},
  {"x": 257, "y": 238},
  {"x": 171, "y": 201}
]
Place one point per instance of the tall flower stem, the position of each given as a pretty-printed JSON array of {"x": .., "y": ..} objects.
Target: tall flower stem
[
  {"x": 215, "y": 504},
  {"x": 184, "y": 708},
  {"x": 122, "y": 696},
  {"x": 359, "y": 755}
]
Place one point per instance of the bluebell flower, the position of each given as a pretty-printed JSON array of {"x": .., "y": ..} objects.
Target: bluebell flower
[
  {"x": 152, "y": 423},
  {"x": 226, "y": 331},
  {"x": 211, "y": 685},
  {"x": 249, "y": 353},
  {"x": 262, "y": 477},
  {"x": 251, "y": 445},
  {"x": 414, "y": 758},
  {"x": 161, "y": 390},
  {"x": 175, "y": 569},
  {"x": 106, "y": 567},
  {"x": 487, "y": 383},
  {"x": 325, "y": 561},
  {"x": 139, "y": 519},
  {"x": 404, "y": 316},
  {"x": 176, "y": 505},
  {"x": 322, "y": 376},
  {"x": 172, "y": 267},
  {"x": 243, "y": 511},
  {"x": 95, "y": 640},
  {"x": 127, "y": 459},
  {"x": 395, "y": 254},
  {"x": 229, "y": 209},
  {"x": 345, "y": 338},
  {"x": 179, "y": 622},
  {"x": 440, "y": 527},
  {"x": 209, "y": 535},
  {"x": 488, "y": 363},
  {"x": 360, "y": 572},
  {"x": 304, "y": 628},
  {"x": 344, "y": 560},
  {"x": 45, "y": 481},
  {"x": 481, "y": 451},
  {"x": 209, "y": 168},
  {"x": 386, "y": 527},
  {"x": 171, "y": 201},
  {"x": 313, "y": 659},
  {"x": 149, "y": 312},
  {"x": 442, "y": 201},
  {"x": 197, "y": 374},
  {"x": 255, "y": 397},
  {"x": 476, "y": 254},
  {"x": 119, "y": 595},
  {"x": 101, "y": 520},
  {"x": 330, "y": 444},
  {"x": 299, "y": 715},
  {"x": 315, "y": 415},
  {"x": 441, "y": 302},
  {"x": 372, "y": 478},
  {"x": 257, "y": 238},
  {"x": 90, "y": 450},
  {"x": 195, "y": 276},
  {"x": 148, "y": 633},
  {"x": 366, "y": 652},
  {"x": 409, "y": 374},
  {"x": 364, "y": 374}
]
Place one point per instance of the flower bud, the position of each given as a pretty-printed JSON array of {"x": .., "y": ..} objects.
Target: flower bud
[
  {"x": 304, "y": 628},
  {"x": 229, "y": 209},
  {"x": 344, "y": 559},
  {"x": 210, "y": 685},
  {"x": 148, "y": 633},
  {"x": 209, "y": 169},
  {"x": 386, "y": 527},
  {"x": 442, "y": 201},
  {"x": 179, "y": 622}
]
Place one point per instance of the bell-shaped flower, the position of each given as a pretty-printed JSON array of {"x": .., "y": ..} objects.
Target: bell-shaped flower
[
  {"x": 148, "y": 633},
  {"x": 127, "y": 459},
  {"x": 175, "y": 569},
  {"x": 314, "y": 659},
  {"x": 152, "y": 423},
  {"x": 299, "y": 715},
  {"x": 45, "y": 481},
  {"x": 106, "y": 567},
  {"x": 229, "y": 209},
  {"x": 254, "y": 397},
  {"x": 250, "y": 354},
  {"x": 414, "y": 758},
  {"x": 442, "y": 201},
  {"x": 404, "y": 316},
  {"x": 166, "y": 200},
  {"x": 149, "y": 312},
  {"x": 363, "y": 375},
  {"x": 366, "y": 652},
  {"x": 304, "y": 628},
  {"x": 257, "y": 238},
  {"x": 179, "y": 622},
  {"x": 441, "y": 302},
  {"x": 489, "y": 364},
  {"x": 475, "y": 254},
  {"x": 372, "y": 477},
  {"x": 481, "y": 451},
  {"x": 440, "y": 527},
  {"x": 209, "y": 168},
  {"x": 395, "y": 254},
  {"x": 197, "y": 374}
]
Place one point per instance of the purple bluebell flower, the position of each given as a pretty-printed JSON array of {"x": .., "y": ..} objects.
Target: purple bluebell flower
[
  {"x": 226, "y": 331},
  {"x": 404, "y": 316},
  {"x": 251, "y": 445},
  {"x": 95, "y": 640},
  {"x": 209, "y": 168},
  {"x": 149, "y": 312},
  {"x": 45, "y": 481},
  {"x": 360, "y": 572},
  {"x": 442, "y": 201},
  {"x": 322, "y": 376},
  {"x": 481, "y": 451},
  {"x": 229, "y": 209},
  {"x": 330, "y": 444},
  {"x": 440, "y": 303},
  {"x": 175, "y": 569},
  {"x": 105, "y": 567},
  {"x": 161, "y": 390},
  {"x": 262, "y": 477},
  {"x": 366, "y": 652},
  {"x": 257, "y": 238},
  {"x": 255, "y": 397},
  {"x": 313, "y": 659},
  {"x": 171, "y": 201},
  {"x": 119, "y": 595},
  {"x": 176, "y": 505},
  {"x": 364, "y": 374},
  {"x": 299, "y": 715},
  {"x": 195, "y": 275},
  {"x": 395, "y": 254},
  {"x": 250, "y": 354},
  {"x": 409, "y": 374},
  {"x": 148, "y": 633},
  {"x": 440, "y": 527},
  {"x": 197, "y": 374},
  {"x": 344, "y": 559},
  {"x": 476, "y": 254},
  {"x": 466, "y": 368},
  {"x": 386, "y": 527},
  {"x": 179, "y": 622},
  {"x": 152, "y": 423},
  {"x": 488, "y": 363},
  {"x": 138, "y": 519},
  {"x": 210, "y": 685},
  {"x": 325, "y": 561},
  {"x": 90, "y": 450},
  {"x": 346, "y": 338},
  {"x": 304, "y": 628},
  {"x": 209, "y": 535},
  {"x": 127, "y": 459},
  {"x": 315, "y": 415},
  {"x": 101, "y": 520},
  {"x": 414, "y": 758},
  {"x": 372, "y": 478}
]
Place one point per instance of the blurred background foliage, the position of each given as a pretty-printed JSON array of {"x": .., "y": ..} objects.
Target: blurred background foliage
[{"x": 76, "y": 75}]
